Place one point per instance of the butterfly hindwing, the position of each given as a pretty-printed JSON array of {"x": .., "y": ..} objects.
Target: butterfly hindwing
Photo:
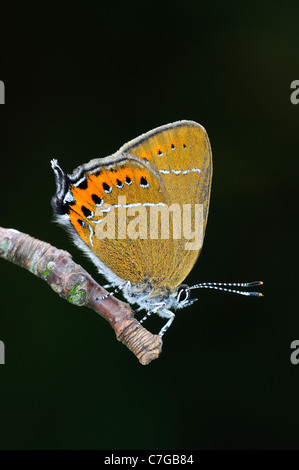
[{"x": 181, "y": 154}]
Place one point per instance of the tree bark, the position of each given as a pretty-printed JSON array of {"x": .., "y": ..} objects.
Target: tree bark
[{"x": 71, "y": 282}]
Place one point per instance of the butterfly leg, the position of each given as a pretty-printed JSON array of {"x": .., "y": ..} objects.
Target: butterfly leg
[
  {"x": 168, "y": 314},
  {"x": 117, "y": 289},
  {"x": 150, "y": 312},
  {"x": 164, "y": 313}
]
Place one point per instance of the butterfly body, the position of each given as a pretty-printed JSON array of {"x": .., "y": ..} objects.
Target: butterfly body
[{"x": 115, "y": 208}]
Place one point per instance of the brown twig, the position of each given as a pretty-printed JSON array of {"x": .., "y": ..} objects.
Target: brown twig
[{"x": 74, "y": 284}]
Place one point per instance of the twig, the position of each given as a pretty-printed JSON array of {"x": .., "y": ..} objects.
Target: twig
[{"x": 74, "y": 284}]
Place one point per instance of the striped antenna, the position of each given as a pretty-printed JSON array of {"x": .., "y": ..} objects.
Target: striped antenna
[{"x": 227, "y": 287}]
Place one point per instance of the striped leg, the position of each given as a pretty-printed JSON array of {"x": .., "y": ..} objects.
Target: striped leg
[
  {"x": 148, "y": 314},
  {"x": 115, "y": 291},
  {"x": 167, "y": 325},
  {"x": 156, "y": 309}
]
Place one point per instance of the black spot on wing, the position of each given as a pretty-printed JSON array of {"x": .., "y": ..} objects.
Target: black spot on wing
[{"x": 86, "y": 212}]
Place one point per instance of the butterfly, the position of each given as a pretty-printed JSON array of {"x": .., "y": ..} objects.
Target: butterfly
[{"x": 141, "y": 215}]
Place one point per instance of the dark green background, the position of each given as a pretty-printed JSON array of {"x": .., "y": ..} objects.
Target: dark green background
[{"x": 82, "y": 81}]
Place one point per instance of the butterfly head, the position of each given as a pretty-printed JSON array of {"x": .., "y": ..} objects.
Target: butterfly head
[{"x": 181, "y": 297}]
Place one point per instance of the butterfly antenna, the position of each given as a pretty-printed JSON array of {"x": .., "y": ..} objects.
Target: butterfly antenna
[{"x": 230, "y": 287}]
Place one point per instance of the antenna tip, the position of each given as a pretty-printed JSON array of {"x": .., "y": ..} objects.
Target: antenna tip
[
  {"x": 261, "y": 283},
  {"x": 260, "y": 295}
]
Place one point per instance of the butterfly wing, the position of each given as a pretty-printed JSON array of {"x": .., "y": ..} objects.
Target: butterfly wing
[
  {"x": 181, "y": 153},
  {"x": 170, "y": 165},
  {"x": 105, "y": 206}
]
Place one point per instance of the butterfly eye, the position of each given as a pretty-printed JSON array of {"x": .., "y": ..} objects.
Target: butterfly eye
[{"x": 183, "y": 293}]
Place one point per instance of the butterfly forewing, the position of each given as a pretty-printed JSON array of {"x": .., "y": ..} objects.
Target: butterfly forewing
[{"x": 110, "y": 214}]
